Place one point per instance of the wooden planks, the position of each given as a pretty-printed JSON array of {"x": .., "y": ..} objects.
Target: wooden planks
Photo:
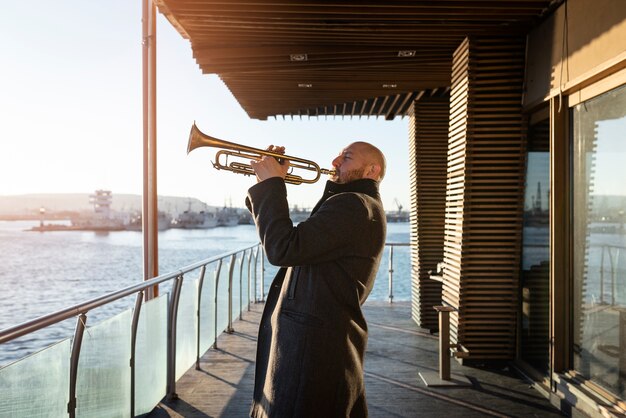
[
  {"x": 484, "y": 195},
  {"x": 397, "y": 351},
  {"x": 428, "y": 146}
]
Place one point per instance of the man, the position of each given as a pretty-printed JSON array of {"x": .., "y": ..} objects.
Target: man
[{"x": 313, "y": 335}]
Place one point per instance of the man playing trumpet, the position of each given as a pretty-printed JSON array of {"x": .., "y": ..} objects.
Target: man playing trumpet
[{"x": 313, "y": 335}]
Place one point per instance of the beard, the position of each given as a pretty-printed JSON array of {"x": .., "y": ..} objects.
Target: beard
[{"x": 348, "y": 176}]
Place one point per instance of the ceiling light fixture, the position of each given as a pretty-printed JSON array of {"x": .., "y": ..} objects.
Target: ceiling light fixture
[
  {"x": 298, "y": 57},
  {"x": 407, "y": 53},
  {"x": 390, "y": 86},
  {"x": 305, "y": 85}
]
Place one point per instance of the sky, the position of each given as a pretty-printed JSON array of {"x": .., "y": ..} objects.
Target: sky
[
  {"x": 71, "y": 112},
  {"x": 610, "y": 155}
]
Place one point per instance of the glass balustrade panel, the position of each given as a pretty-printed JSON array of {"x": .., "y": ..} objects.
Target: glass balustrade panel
[
  {"x": 222, "y": 297},
  {"x": 151, "y": 355},
  {"x": 207, "y": 309},
  {"x": 401, "y": 282},
  {"x": 237, "y": 272},
  {"x": 37, "y": 385},
  {"x": 187, "y": 327},
  {"x": 103, "y": 381},
  {"x": 245, "y": 281}
]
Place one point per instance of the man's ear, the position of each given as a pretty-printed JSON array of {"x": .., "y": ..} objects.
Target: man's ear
[{"x": 373, "y": 172}]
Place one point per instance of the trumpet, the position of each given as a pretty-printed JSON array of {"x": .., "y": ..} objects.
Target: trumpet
[{"x": 198, "y": 139}]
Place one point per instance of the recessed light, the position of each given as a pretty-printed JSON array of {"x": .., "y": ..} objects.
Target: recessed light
[
  {"x": 298, "y": 57},
  {"x": 406, "y": 53},
  {"x": 390, "y": 86},
  {"x": 305, "y": 85}
]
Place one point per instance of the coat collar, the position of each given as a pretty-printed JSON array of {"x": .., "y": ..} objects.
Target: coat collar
[{"x": 366, "y": 186}]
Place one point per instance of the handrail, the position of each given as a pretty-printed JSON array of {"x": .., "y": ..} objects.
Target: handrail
[
  {"x": 613, "y": 251},
  {"x": 391, "y": 245},
  {"x": 80, "y": 311},
  {"x": 36, "y": 324},
  {"x": 27, "y": 327},
  {"x": 249, "y": 255}
]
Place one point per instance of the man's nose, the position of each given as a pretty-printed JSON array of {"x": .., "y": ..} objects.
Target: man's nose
[{"x": 336, "y": 162}]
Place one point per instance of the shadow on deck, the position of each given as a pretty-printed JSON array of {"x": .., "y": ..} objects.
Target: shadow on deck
[{"x": 397, "y": 351}]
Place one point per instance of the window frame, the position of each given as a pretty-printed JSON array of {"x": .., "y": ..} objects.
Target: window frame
[{"x": 561, "y": 231}]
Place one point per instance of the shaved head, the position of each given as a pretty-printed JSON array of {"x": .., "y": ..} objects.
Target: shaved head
[
  {"x": 359, "y": 160},
  {"x": 373, "y": 156}
]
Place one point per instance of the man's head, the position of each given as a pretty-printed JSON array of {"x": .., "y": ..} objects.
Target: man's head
[{"x": 359, "y": 160}]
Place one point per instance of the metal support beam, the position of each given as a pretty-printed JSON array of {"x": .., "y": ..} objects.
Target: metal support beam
[
  {"x": 76, "y": 346},
  {"x": 149, "y": 204},
  {"x": 231, "y": 272},
  {"x": 444, "y": 378}
]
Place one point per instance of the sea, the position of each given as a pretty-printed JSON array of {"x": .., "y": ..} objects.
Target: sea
[{"x": 44, "y": 272}]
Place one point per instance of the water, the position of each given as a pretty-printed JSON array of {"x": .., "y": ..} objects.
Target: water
[
  {"x": 44, "y": 272},
  {"x": 602, "y": 278},
  {"x": 604, "y": 271}
]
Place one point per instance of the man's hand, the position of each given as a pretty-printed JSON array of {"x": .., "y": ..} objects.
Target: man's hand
[{"x": 268, "y": 167}]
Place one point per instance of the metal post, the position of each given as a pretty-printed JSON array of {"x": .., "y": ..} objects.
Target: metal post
[
  {"x": 171, "y": 340},
  {"x": 231, "y": 268},
  {"x": 613, "y": 281},
  {"x": 133, "y": 345},
  {"x": 149, "y": 203},
  {"x": 243, "y": 258},
  {"x": 444, "y": 341},
  {"x": 200, "y": 285},
  {"x": 444, "y": 378},
  {"x": 391, "y": 274},
  {"x": 256, "y": 259},
  {"x": 602, "y": 276},
  {"x": 262, "y": 275},
  {"x": 622, "y": 354},
  {"x": 217, "y": 282},
  {"x": 78, "y": 340},
  {"x": 249, "y": 275}
]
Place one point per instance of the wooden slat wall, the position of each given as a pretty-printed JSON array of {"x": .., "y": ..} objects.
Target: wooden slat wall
[
  {"x": 428, "y": 149},
  {"x": 485, "y": 196}
]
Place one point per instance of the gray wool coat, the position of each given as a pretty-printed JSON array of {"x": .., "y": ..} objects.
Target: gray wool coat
[{"x": 312, "y": 335}]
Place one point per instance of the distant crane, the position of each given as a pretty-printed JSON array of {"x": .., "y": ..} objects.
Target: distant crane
[
  {"x": 398, "y": 204},
  {"x": 398, "y": 216}
]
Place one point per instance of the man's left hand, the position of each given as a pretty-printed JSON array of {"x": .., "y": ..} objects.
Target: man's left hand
[{"x": 268, "y": 167}]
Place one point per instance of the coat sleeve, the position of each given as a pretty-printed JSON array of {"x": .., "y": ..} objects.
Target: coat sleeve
[{"x": 332, "y": 232}]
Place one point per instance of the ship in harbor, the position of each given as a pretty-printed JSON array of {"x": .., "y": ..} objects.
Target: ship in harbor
[
  {"x": 195, "y": 220},
  {"x": 298, "y": 214},
  {"x": 227, "y": 216},
  {"x": 136, "y": 224},
  {"x": 103, "y": 218}
]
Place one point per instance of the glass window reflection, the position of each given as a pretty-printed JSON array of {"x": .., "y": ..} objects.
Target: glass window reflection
[
  {"x": 599, "y": 239},
  {"x": 535, "y": 275}
]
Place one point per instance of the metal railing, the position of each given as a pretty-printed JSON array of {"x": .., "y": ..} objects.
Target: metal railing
[
  {"x": 390, "y": 270},
  {"x": 249, "y": 255},
  {"x": 613, "y": 254},
  {"x": 391, "y": 246}
]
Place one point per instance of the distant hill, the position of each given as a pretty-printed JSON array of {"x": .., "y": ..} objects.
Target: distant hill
[{"x": 29, "y": 204}]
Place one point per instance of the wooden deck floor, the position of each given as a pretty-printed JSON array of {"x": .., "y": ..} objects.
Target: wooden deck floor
[{"x": 397, "y": 352}]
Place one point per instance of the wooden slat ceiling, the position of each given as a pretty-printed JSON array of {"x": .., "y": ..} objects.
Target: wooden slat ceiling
[{"x": 342, "y": 58}]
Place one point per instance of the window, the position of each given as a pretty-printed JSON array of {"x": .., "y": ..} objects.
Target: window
[
  {"x": 599, "y": 239},
  {"x": 535, "y": 275}
]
